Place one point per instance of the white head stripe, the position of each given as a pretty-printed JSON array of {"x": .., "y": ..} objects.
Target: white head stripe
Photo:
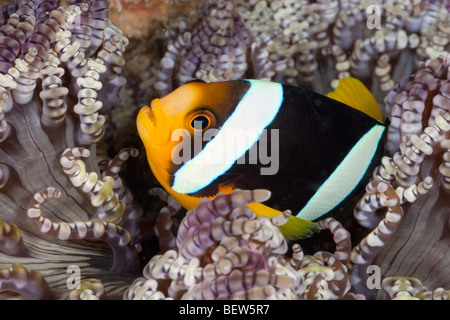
[
  {"x": 345, "y": 178},
  {"x": 256, "y": 110}
]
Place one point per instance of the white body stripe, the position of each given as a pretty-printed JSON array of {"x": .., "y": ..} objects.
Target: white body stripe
[
  {"x": 345, "y": 178},
  {"x": 256, "y": 110}
]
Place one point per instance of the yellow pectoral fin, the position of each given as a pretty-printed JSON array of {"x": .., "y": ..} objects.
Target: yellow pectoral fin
[
  {"x": 294, "y": 229},
  {"x": 353, "y": 93}
]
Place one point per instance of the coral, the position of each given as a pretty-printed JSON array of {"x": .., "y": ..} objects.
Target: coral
[
  {"x": 140, "y": 18},
  {"x": 60, "y": 76}
]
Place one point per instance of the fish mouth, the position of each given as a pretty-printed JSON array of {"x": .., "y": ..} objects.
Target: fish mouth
[
  {"x": 149, "y": 114},
  {"x": 147, "y": 120}
]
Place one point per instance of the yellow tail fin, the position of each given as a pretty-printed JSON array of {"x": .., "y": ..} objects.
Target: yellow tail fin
[
  {"x": 294, "y": 229},
  {"x": 353, "y": 93}
]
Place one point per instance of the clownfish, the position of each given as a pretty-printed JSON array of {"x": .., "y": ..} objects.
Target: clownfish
[{"x": 310, "y": 150}]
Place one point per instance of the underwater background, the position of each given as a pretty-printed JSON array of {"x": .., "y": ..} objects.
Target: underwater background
[{"x": 83, "y": 217}]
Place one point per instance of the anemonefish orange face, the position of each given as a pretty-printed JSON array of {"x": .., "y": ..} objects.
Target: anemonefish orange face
[
  {"x": 162, "y": 125},
  {"x": 197, "y": 101}
]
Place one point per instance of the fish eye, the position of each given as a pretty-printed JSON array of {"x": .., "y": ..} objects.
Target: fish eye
[{"x": 200, "y": 120}]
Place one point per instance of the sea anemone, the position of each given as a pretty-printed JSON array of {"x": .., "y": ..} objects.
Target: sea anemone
[
  {"x": 313, "y": 45},
  {"x": 310, "y": 44},
  {"x": 70, "y": 226},
  {"x": 223, "y": 251},
  {"x": 60, "y": 75},
  {"x": 417, "y": 167}
]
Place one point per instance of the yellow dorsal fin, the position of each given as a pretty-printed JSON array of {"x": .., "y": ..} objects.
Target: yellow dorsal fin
[
  {"x": 294, "y": 229},
  {"x": 353, "y": 93}
]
